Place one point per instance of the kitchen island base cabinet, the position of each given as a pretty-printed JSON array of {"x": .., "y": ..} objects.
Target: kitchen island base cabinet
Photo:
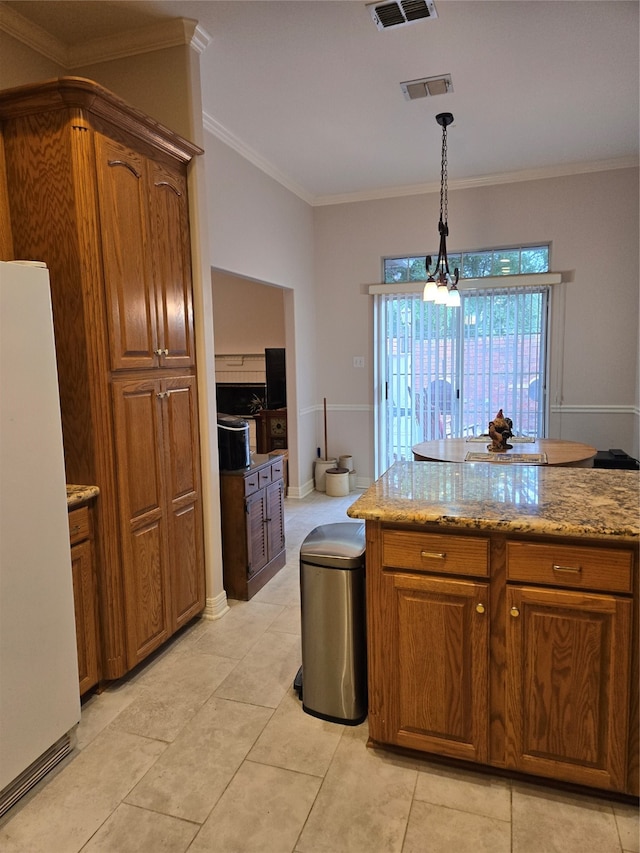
[
  {"x": 253, "y": 540},
  {"x": 534, "y": 679}
]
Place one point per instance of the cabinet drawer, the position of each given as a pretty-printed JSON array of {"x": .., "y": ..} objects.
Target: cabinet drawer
[
  {"x": 277, "y": 470},
  {"x": 570, "y": 566},
  {"x": 79, "y": 529},
  {"x": 435, "y": 552},
  {"x": 264, "y": 475},
  {"x": 251, "y": 483}
]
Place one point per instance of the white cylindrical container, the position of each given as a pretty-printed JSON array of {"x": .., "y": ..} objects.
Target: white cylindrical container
[
  {"x": 337, "y": 482},
  {"x": 320, "y": 471},
  {"x": 345, "y": 462}
]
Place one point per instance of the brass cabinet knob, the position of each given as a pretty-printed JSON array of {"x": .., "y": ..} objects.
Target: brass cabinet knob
[
  {"x": 480, "y": 608},
  {"x": 514, "y": 612}
]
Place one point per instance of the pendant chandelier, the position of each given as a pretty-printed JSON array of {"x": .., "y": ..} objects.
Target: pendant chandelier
[{"x": 440, "y": 286}]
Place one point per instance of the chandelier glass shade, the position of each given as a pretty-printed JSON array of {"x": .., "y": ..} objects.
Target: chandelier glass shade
[{"x": 441, "y": 287}]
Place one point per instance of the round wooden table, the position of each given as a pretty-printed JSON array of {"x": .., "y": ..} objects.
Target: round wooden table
[{"x": 558, "y": 452}]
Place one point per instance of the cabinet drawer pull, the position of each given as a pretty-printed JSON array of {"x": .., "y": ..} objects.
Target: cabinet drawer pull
[
  {"x": 572, "y": 569},
  {"x": 514, "y": 612},
  {"x": 480, "y": 608},
  {"x": 433, "y": 555},
  {"x": 75, "y": 529}
]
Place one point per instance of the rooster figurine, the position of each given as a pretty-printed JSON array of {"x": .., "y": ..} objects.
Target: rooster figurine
[{"x": 500, "y": 429}]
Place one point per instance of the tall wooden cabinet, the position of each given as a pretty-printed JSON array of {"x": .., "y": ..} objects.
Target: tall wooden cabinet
[{"x": 98, "y": 191}]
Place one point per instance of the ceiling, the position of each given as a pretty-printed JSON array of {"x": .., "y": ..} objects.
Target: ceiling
[{"x": 310, "y": 89}]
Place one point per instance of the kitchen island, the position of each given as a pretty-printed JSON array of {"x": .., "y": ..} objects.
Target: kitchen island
[{"x": 502, "y": 617}]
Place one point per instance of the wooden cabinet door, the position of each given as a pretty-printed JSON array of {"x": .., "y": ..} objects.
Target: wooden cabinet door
[
  {"x": 568, "y": 685},
  {"x": 434, "y": 651},
  {"x": 257, "y": 542},
  {"x": 183, "y": 495},
  {"x": 84, "y": 597},
  {"x": 171, "y": 253},
  {"x": 123, "y": 206},
  {"x": 143, "y": 522},
  {"x": 275, "y": 518}
]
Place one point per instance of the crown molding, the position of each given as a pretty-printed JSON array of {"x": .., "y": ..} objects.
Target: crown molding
[
  {"x": 220, "y": 131},
  {"x": 17, "y": 26},
  {"x": 482, "y": 181},
  {"x": 165, "y": 34}
]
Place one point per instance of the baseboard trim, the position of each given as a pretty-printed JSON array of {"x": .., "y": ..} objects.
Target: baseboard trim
[{"x": 215, "y": 607}]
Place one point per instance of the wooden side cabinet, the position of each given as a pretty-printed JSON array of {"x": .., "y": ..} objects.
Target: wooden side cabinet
[
  {"x": 253, "y": 538},
  {"x": 84, "y": 596}
]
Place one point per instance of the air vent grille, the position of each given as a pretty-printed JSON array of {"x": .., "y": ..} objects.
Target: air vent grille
[
  {"x": 427, "y": 87},
  {"x": 399, "y": 13}
]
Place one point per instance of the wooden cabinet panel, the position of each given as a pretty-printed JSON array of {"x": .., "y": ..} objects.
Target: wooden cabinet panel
[
  {"x": 183, "y": 496},
  {"x": 141, "y": 488},
  {"x": 122, "y": 195},
  {"x": 84, "y": 597},
  {"x": 435, "y": 651},
  {"x": 568, "y": 685},
  {"x": 257, "y": 543},
  {"x": 274, "y": 517},
  {"x": 84, "y": 592},
  {"x": 171, "y": 254}
]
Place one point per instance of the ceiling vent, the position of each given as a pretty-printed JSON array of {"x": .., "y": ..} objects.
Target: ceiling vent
[
  {"x": 398, "y": 13},
  {"x": 427, "y": 87}
]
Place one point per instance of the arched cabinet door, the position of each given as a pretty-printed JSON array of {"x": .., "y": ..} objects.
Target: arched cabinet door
[
  {"x": 171, "y": 258},
  {"x": 128, "y": 276}
]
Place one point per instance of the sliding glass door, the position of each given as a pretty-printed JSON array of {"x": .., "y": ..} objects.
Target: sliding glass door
[{"x": 443, "y": 372}]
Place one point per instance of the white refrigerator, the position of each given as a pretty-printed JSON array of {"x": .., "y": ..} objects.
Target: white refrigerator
[{"x": 39, "y": 695}]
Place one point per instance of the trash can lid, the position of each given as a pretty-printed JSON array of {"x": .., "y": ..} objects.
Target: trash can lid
[
  {"x": 339, "y": 546},
  {"x": 232, "y": 422}
]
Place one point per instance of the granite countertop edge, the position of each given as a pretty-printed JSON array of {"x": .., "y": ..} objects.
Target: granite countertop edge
[
  {"x": 571, "y": 502},
  {"x": 78, "y": 495}
]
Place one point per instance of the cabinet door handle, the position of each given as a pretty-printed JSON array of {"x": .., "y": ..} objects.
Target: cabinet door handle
[
  {"x": 480, "y": 608},
  {"x": 75, "y": 529},
  {"x": 572, "y": 569},
  {"x": 433, "y": 555},
  {"x": 514, "y": 612},
  {"x": 126, "y": 165},
  {"x": 157, "y": 352},
  {"x": 165, "y": 352}
]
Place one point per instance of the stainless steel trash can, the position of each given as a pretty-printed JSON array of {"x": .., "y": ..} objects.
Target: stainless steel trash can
[{"x": 334, "y": 650}]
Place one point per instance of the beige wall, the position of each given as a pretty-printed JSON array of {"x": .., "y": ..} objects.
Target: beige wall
[
  {"x": 591, "y": 221},
  {"x": 261, "y": 231},
  {"x": 248, "y": 316}
]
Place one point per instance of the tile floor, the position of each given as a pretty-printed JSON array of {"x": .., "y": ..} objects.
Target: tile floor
[{"x": 206, "y": 748}]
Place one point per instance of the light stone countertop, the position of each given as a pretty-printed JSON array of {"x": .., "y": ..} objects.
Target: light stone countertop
[
  {"x": 77, "y": 495},
  {"x": 584, "y": 502}
]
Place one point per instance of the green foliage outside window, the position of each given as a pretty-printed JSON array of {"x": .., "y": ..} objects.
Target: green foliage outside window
[{"x": 489, "y": 262}]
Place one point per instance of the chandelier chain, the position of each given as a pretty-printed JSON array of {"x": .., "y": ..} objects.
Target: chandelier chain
[{"x": 444, "y": 201}]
